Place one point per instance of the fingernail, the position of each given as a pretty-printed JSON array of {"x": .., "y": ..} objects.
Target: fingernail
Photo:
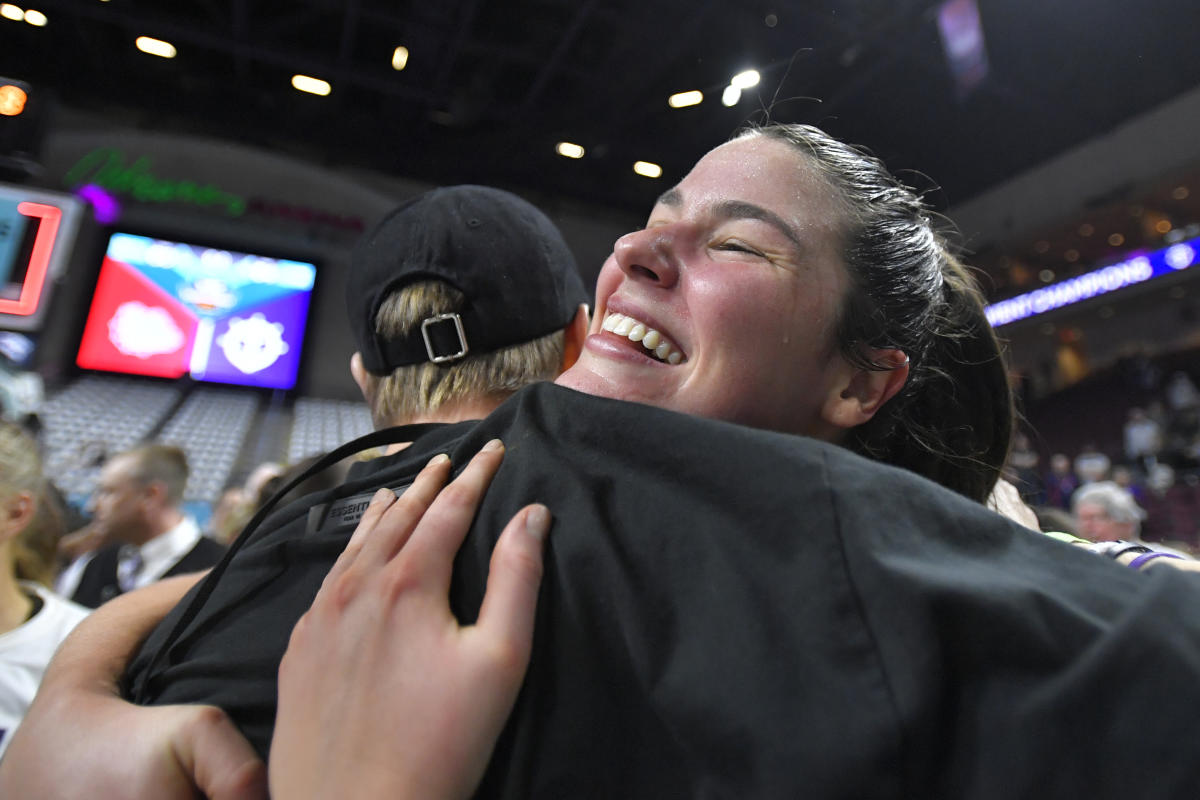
[
  {"x": 440, "y": 458},
  {"x": 537, "y": 522},
  {"x": 384, "y": 495},
  {"x": 494, "y": 444}
]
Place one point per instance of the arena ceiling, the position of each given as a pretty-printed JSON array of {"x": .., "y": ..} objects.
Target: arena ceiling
[{"x": 490, "y": 86}]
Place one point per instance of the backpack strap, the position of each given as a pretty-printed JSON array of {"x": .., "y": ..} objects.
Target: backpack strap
[{"x": 379, "y": 438}]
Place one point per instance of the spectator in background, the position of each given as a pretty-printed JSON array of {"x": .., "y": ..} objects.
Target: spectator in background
[
  {"x": 1022, "y": 470},
  {"x": 1104, "y": 512},
  {"x": 1091, "y": 465},
  {"x": 1181, "y": 393},
  {"x": 1124, "y": 477},
  {"x": 237, "y": 504},
  {"x": 136, "y": 506},
  {"x": 33, "y": 620},
  {"x": 1143, "y": 440},
  {"x": 1061, "y": 482}
]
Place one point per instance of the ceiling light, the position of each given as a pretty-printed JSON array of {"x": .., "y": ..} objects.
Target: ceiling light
[
  {"x": 9, "y": 11},
  {"x": 1071, "y": 255},
  {"x": 36, "y": 18},
  {"x": 1163, "y": 226},
  {"x": 685, "y": 99},
  {"x": 1116, "y": 240},
  {"x": 1180, "y": 193},
  {"x": 155, "y": 47},
  {"x": 1046, "y": 275},
  {"x": 399, "y": 58},
  {"x": 311, "y": 85},
  {"x": 731, "y": 95},
  {"x": 569, "y": 150},
  {"x": 745, "y": 80},
  {"x": 647, "y": 170},
  {"x": 12, "y": 100},
  {"x": 1086, "y": 229}
]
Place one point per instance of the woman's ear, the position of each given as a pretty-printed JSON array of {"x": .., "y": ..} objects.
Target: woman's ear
[
  {"x": 16, "y": 513},
  {"x": 573, "y": 337},
  {"x": 865, "y": 391}
]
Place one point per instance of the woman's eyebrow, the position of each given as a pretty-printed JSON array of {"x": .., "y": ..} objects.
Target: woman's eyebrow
[
  {"x": 671, "y": 197},
  {"x": 737, "y": 209}
]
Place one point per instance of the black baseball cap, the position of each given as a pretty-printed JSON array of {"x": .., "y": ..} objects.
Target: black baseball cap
[{"x": 518, "y": 276}]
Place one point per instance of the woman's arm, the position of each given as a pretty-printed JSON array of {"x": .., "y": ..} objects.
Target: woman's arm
[{"x": 80, "y": 739}]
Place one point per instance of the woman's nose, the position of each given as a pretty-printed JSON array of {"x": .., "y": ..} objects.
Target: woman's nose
[{"x": 649, "y": 254}]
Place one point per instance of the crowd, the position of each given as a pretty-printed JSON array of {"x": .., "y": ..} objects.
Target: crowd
[
  {"x": 1156, "y": 465},
  {"x": 772, "y": 571}
]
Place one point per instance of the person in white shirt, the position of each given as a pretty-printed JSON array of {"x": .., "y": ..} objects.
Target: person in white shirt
[
  {"x": 33, "y": 620},
  {"x": 137, "y": 505}
]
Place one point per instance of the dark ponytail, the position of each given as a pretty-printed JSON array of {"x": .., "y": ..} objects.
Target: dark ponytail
[{"x": 952, "y": 420}]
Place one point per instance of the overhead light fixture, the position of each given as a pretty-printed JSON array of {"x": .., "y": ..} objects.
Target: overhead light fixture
[
  {"x": 155, "y": 47},
  {"x": 731, "y": 95},
  {"x": 9, "y": 11},
  {"x": 35, "y": 18},
  {"x": 647, "y": 169},
  {"x": 311, "y": 85},
  {"x": 685, "y": 99},
  {"x": 12, "y": 100},
  {"x": 400, "y": 58},
  {"x": 569, "y": 150},
  {"x": 745, "y": 80}
]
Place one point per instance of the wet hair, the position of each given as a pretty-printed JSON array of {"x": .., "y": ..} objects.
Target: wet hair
[{"x": 952, "y": 421}]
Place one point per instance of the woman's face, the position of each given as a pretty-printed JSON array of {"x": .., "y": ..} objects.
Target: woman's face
[{"x": 724, "y": 306}]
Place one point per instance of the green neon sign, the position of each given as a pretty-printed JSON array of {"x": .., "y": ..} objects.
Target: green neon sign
[{"x": 106, "y": 167}]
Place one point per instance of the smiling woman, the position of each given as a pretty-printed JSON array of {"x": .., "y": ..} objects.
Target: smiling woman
[{"x": 789, "y": 282}]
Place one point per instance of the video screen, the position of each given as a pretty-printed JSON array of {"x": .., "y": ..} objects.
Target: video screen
[
  {"x": 37, "y": 232},
  {"x": 168, "y": 309}
]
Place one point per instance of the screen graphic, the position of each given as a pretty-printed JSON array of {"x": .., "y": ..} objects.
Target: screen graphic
[
  {"x": 170, "y": 309},
  {"x": 37, "y": 235}
]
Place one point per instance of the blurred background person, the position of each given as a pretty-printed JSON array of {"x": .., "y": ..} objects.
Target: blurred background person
[
  {"x": 33, "y": 620},
  {"x": 1104, "y": 512},
  {"x": 137, "y": 507}
]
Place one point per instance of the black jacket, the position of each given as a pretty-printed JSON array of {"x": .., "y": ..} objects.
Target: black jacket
[{"x": 734, "y": 613}]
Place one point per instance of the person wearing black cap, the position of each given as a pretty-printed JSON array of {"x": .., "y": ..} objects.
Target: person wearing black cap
[{"x": 457, "y": 299}]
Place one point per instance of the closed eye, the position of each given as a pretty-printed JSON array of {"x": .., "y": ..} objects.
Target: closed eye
[{"x": 738, "y": 247}]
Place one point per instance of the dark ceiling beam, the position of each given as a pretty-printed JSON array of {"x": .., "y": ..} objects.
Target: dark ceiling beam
[
  {"x": 554, "y": 62},
  {"x": 462, "y": 28},
  {"x": 240, "y": 25},
  {"x": 221, "y": 42},
  {"x": 349, "y": 32},
  {"x": 667, "y": 50}
]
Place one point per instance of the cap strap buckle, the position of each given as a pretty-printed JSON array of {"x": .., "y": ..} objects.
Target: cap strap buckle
[{"x": 458, "y": 329}]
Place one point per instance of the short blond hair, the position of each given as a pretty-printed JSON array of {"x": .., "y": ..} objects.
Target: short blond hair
[
  {"x": 34, "y": 550},
  {"x": 420, "y": 389}
]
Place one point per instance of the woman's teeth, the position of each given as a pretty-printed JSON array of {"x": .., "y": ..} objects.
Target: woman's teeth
[{"x": 649, "y": 338}]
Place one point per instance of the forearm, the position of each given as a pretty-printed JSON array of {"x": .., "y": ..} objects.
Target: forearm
[{"x": 100, "y": 647}]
